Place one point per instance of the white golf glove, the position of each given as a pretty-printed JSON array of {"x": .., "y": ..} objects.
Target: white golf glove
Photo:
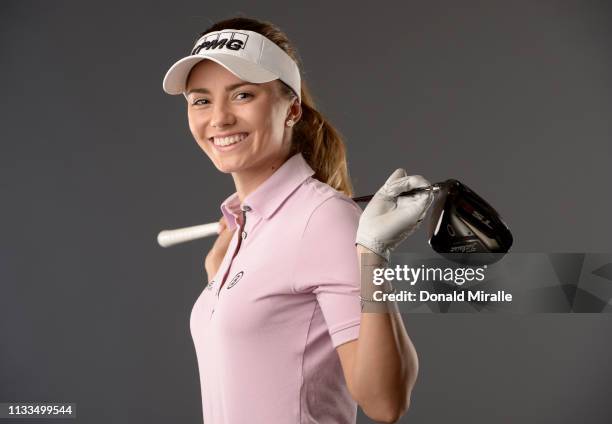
[{"x": 388, "y": 219}]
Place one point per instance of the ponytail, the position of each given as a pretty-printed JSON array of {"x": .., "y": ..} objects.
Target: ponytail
[{"x": 321, "y": 145}]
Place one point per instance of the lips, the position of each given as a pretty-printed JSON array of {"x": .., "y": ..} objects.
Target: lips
[
  {"x": 212, "y": 139},
  {"x": 231, "y": 146}
]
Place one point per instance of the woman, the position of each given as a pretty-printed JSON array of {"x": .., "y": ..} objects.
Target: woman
[{"x": 278, "y": 331}]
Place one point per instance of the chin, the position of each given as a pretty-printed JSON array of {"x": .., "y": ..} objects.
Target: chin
[
  {"x": 227, "y": 166},
  {"x": 226, "y": 170}
]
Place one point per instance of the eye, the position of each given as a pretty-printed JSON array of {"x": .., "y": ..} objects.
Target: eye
[
  {"x": 198, "y": 102},
  {"x": 243, "y": 94}
]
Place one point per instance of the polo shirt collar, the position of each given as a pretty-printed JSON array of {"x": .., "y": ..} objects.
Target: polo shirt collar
[{"x": 270, "y": 194}]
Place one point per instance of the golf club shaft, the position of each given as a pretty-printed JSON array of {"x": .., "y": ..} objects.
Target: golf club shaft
[
  {"x": 433, "y": 187},
  {"x": 168, "y": 238}
]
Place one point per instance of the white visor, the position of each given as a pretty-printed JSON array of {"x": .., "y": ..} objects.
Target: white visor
[{"x": 247, "y": 54}]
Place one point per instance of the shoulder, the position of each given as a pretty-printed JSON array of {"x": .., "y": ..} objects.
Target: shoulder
[
  {"x": 330, "y": 210},
  {"x": 327, "y": 243}
]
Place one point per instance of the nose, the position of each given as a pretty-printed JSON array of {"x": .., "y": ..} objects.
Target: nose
[{"x": 221, "y": 115}]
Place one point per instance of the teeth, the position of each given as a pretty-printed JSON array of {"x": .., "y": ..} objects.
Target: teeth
[{"x": 226, "y": 141}]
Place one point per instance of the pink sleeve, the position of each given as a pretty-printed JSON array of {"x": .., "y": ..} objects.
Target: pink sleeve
[{"x": 328, "y": 266}]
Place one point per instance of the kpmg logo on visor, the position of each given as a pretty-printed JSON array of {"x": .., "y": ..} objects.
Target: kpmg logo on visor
[{"x": 228, "y": 40}]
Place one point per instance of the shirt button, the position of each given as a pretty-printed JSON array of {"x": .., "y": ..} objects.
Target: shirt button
[
  {"x": 246, "y": 208},
  {"x": 244, "y": 235}
]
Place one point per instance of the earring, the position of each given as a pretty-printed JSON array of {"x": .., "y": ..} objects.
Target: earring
[{"x": 289, "y": 122}]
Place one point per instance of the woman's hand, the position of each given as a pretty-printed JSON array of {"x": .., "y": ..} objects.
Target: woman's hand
[
  {"x": 389, "y": 219},
  {"x": 217, "y": 252}
]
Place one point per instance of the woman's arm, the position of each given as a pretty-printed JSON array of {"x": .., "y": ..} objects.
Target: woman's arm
[{"x": 382, "y": 364}]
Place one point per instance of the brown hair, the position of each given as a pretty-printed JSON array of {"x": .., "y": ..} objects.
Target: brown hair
[{"x": 318, "y": 141}]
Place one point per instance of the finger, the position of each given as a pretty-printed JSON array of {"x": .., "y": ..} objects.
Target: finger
[
  {"x": 426, "y": 198},
  {"x": 415, "y": 208},
  {"x": 418, "y": 181},
  {"x": 419, "y": 201},
  {"x": 427, "y": 205},
  {"x": 226, "y": 235},
  {"x": 412, "y": 181},
  {"x": 398, "y": 173},
  {"x": 222, "y": 225},
  {"x": 403, "y": 184}
]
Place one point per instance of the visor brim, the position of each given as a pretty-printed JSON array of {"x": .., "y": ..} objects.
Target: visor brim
[{"x": 175, "y": 80}]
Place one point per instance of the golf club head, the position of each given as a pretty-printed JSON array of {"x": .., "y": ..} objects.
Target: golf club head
[{"x": 464, "y": 228}]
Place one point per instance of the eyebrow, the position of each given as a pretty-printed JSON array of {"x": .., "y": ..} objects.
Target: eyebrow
[{"x": 228, "y": 88}]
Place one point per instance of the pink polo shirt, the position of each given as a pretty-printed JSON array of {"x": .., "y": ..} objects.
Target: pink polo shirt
[{"x": 265, "y": 340}]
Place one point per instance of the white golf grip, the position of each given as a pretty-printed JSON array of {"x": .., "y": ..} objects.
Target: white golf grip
[{"x": 168, "y": 238}]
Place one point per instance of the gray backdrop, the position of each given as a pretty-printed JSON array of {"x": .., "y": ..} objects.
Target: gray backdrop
[{"x": 511, "y": 97}]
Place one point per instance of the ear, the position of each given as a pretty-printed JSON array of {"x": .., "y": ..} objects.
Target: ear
[{"x": 295, "y": 110}]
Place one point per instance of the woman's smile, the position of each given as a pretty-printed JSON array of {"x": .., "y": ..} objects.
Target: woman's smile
[
  {"x": 231, "y": 142},
  {"x": 240, "y": 125}
]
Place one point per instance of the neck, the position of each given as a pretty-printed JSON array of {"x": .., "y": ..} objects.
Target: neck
[{"x": 248, "y": 180}]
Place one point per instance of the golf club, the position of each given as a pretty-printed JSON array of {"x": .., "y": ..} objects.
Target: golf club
[
  {"x": 461, "y": 224},
  {"x": 463, "y": 227}
]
